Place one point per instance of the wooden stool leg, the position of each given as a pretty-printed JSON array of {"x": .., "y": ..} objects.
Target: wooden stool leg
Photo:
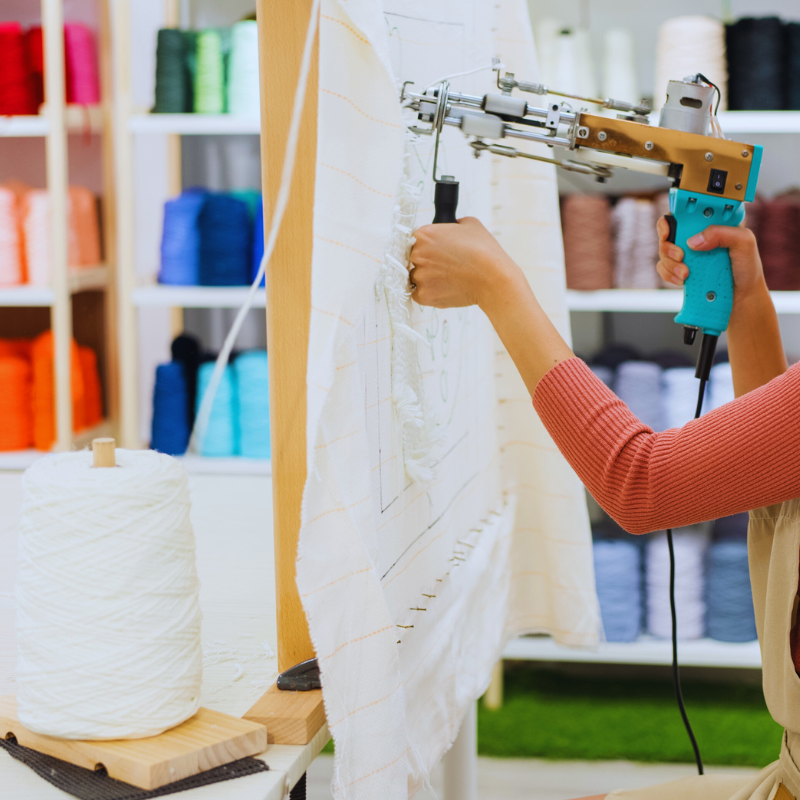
[{"x": 493, "y": 699}]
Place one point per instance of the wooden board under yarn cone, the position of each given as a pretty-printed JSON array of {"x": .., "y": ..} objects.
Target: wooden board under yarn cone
[{"x": 209, "y": 739}]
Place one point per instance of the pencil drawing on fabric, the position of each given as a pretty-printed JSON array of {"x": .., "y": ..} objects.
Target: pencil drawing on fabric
[{"x": 438, "y": 518}]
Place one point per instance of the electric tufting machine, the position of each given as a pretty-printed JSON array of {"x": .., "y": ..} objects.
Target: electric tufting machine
[{"x": 711, "y": 179}]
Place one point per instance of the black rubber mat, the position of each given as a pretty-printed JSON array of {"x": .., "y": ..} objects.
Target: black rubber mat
[{"x": 88, "y": 784}]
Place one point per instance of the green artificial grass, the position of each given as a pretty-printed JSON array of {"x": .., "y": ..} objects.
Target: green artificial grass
[{"x": 550, "y": 715}]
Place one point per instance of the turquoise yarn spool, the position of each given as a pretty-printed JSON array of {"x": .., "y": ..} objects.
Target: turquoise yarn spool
[
  {"x": 222, "y": 434},
  {"x": 243, "y": 94},
  {"x": 209, "y": 79},
  {"x": 252, "y": 379}
]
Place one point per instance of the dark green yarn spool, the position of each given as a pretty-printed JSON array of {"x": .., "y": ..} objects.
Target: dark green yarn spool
[{"x": 171, "y": 75}]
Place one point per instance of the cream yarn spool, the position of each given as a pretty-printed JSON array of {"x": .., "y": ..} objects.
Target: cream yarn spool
[
  {"x": 619, "y": 66},
  {"x": 686, "y": 46},
  {"x": 108, "y": 617}
]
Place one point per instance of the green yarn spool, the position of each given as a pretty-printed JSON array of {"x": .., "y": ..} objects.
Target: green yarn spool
[
  {"x": 209, "y": 79},
  {"x": 171, "y": 79}
]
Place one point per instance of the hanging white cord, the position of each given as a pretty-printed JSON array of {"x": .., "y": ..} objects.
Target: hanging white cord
[{"x": 204, "y": 414}]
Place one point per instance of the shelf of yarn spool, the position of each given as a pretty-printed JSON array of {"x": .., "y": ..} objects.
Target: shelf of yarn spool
[
  {"x": 646, "y": 650},
  {"x": 238, "y": 465},
  {"x": 656, "y": 301},
  {"x": 759, "y": 122},
  {"x": 17, "y": 460},
  {"x": 79, "y": 119},
  {"x": 196, "y": 296},
  {"x": 84, "y": 279},
  {"x": 194, "y": 124}
]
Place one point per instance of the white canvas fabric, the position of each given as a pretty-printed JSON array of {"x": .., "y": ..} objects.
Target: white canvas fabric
[{"x": 412, "y": 588}]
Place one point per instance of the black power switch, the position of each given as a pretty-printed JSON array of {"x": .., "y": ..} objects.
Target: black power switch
[{"x": 716, "y": 181}]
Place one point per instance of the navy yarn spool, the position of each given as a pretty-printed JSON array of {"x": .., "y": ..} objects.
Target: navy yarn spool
[
  {"x": 618, "y": 575},
  {"x": 757, "y": 78},
  {"x": 731, "y": 529},
  {"x": 605, "y": 374},
  {"x": 171, "y": 73},
  {"x": 171, "y": 424},
  {"x": 613, "y": 355},
  {"x": 186, "y": 351},
  {"x": 793, "y": 65},
  {"x": 258, "y": 241},
  {"x": 252, "y": 381},
  {"x": 225, "y": 242},
  {"x": 180, "y": 239},
  {"x": 729, "y": 600},
  {"x": 222, "y": 434}
]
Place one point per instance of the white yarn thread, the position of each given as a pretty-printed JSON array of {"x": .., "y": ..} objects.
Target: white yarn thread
[
  {"x": 108, "y": 617},
  {"x": 686, "y": 46},
  {"x": 690, "y": 550},
  {"x": 416, "y": 421}
]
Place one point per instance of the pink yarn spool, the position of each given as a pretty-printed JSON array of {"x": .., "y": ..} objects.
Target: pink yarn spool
[
  {"x": 10, "y": 252},
  {"x": 83, "y": 83},
  {"x": 35, "y": 214},
  {"x": 84, "y": 222}
]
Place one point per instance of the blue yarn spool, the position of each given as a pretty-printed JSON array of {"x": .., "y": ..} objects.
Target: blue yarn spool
[
  {"x": 258, "y": 241},
  {"x": 180, "y": 239},
  {"x": 618, "y": 575},
  {"x": 729, "y": 598},
  {"x": 252, "y": 380},
  {"x": 225, "y": 242},
  {"x": 222, "y": 434},
  {"x": 171, "y": 425},
  {"x": 638, "y": 385}
]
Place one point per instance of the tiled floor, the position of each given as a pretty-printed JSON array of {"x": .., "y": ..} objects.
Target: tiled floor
[{"x": 518, "y": 779}]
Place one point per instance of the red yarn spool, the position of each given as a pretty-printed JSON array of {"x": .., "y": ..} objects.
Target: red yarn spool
[
  {"x": 779, "y": 243},
  {"x": 16, "y": 81}
]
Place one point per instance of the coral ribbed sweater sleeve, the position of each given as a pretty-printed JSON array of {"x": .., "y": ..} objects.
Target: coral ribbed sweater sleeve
[{"x": 742, "y": 456}]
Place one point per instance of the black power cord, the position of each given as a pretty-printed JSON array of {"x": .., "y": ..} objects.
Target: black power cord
[{"x": 704, "y": 362}]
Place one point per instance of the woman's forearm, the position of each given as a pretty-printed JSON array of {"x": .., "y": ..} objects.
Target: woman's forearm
[
  {"x": 754, "y": 341},
  {"x": 529, "y": 336}
]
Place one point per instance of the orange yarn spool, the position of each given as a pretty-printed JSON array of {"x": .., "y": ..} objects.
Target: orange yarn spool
[
  {"x": 92, "y": 393},
  {"x": 44, "y": 406},
  {"x": 86, "y": 226},
  {"x": 16, "y": 431}
]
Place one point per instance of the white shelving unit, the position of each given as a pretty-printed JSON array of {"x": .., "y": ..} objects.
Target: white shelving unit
[
  {"x": 157, "y": 296},
  {"x": 646, "y": 651},
  {"x": 54, "y": 124},
  {"x": 657, "y": 301},
  {"x": 136, "y": 295}
]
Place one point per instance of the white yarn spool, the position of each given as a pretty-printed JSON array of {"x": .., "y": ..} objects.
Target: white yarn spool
[
  {"x": 686, "y": 46},
  {"x": 635, "y": 244},
  {"x": 547, "y": 33},
  {"x": 10, "y": 253},
  {"x": 243, "y": 93},
  {"x": 690, "y": 549},
  {"x": 619, "y": 66},
  {"x": 108, "y": 618}
]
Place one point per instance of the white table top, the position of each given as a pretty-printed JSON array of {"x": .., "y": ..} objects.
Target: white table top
[{"x": 232, "y": 518}]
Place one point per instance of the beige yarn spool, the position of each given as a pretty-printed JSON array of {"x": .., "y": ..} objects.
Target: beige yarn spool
[{"x": 586, "y": 226}]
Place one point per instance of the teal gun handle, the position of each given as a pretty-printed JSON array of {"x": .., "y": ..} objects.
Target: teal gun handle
[{"x": 708, "y": 291}]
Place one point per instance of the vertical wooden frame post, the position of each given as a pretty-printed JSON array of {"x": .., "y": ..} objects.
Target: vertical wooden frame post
[
  {"x": 282, "y": 26},
  {"x": 56, "y": 157}
]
